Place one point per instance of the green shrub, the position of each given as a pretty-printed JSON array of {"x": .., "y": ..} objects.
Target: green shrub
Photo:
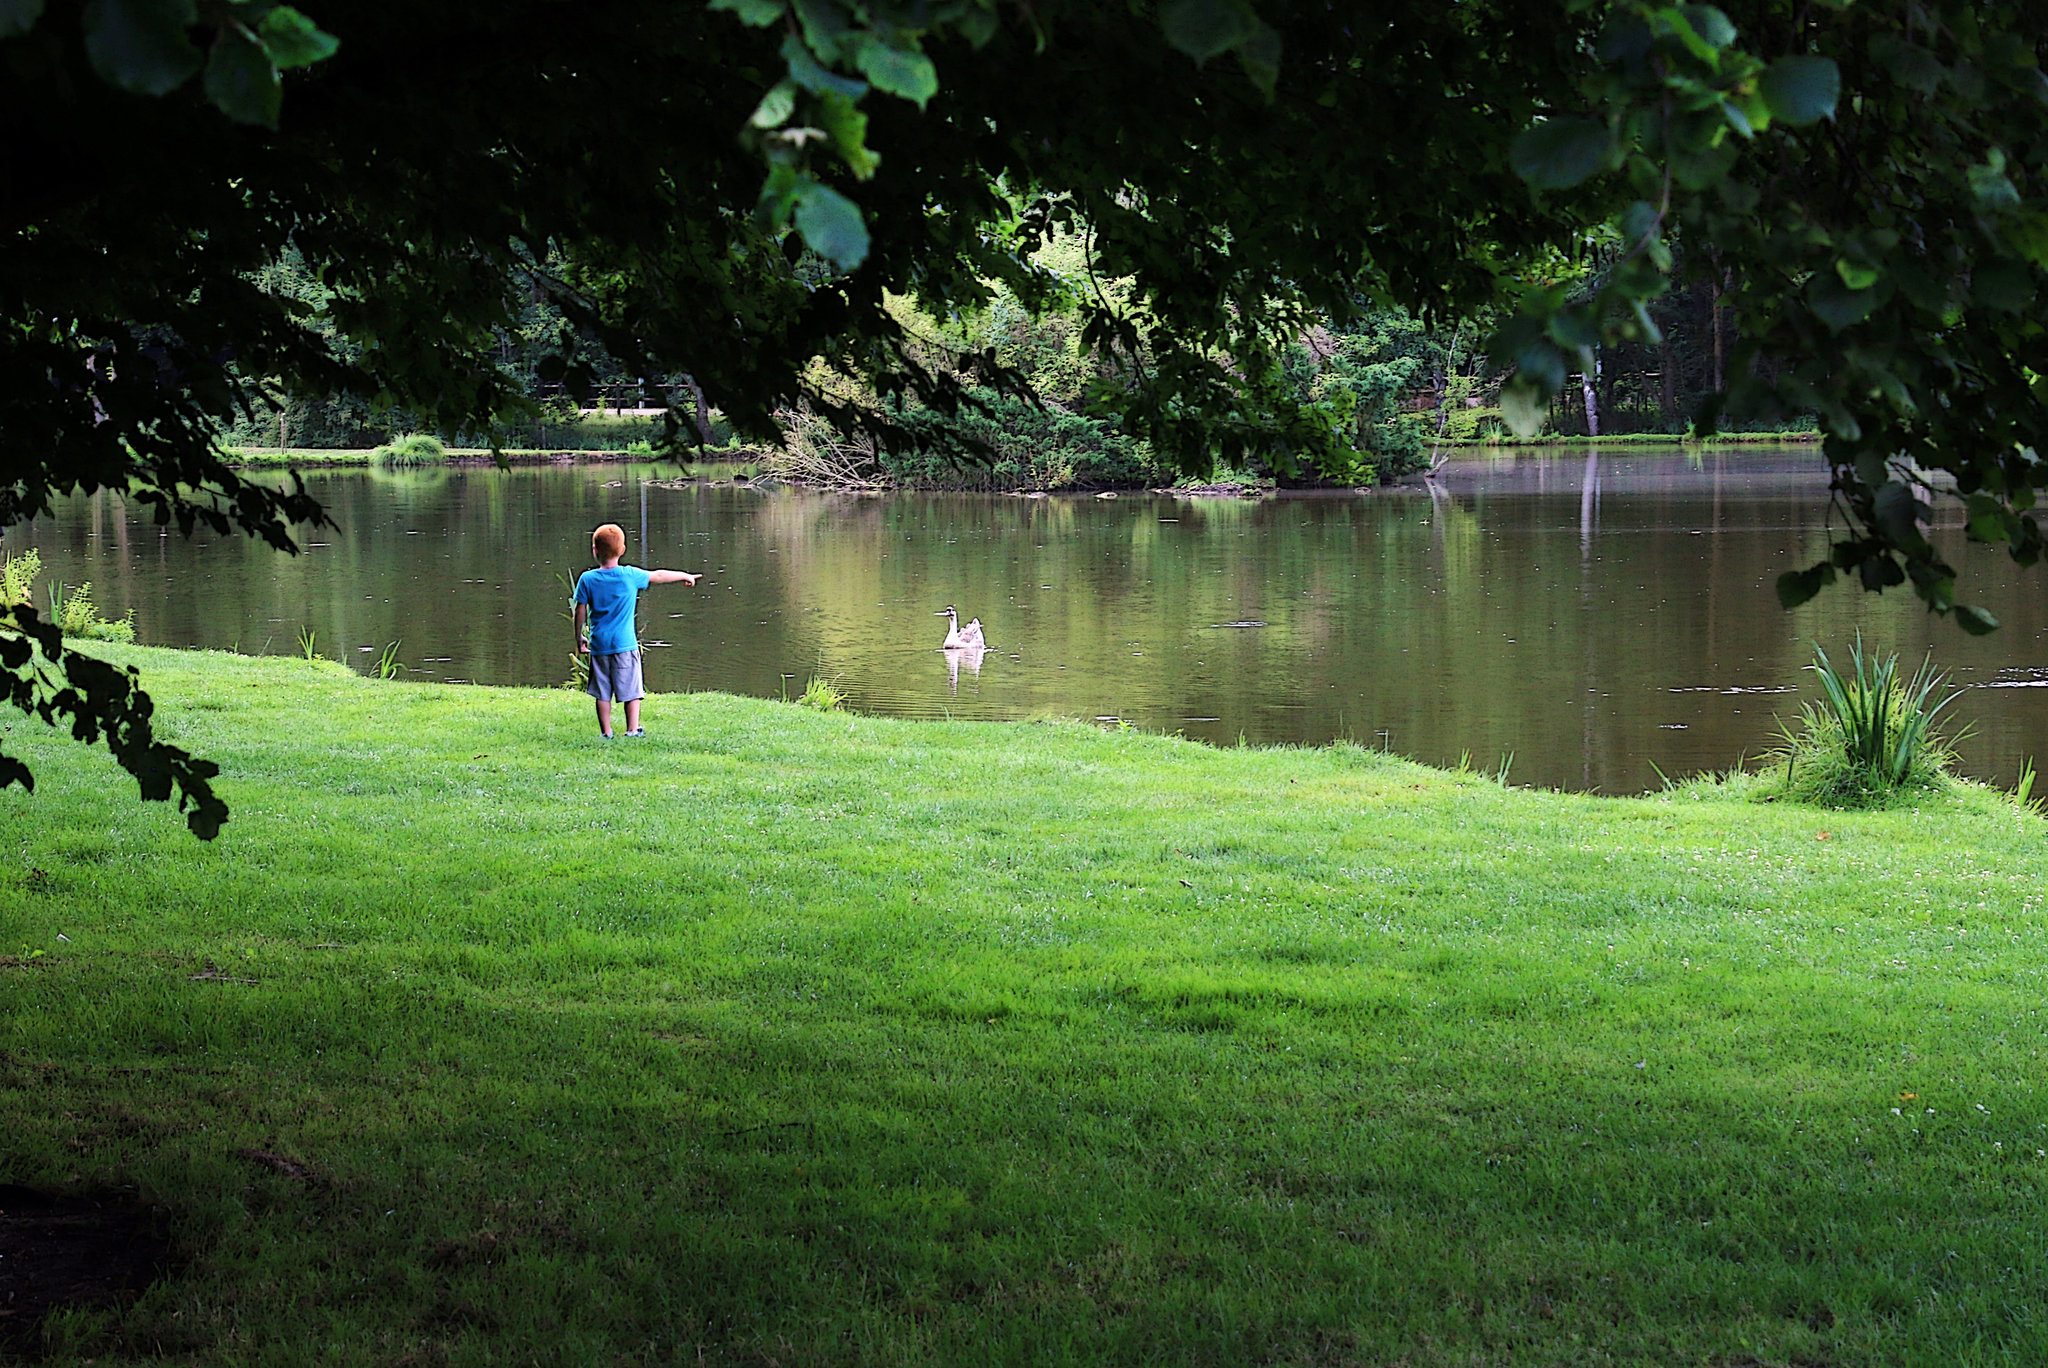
[
  {"x": 1871, "y": 738},
  {"x": 1027, "y": 447},
  {"x": 17, "y": 573},
  {"x": 72, "y": 610},
  {"x": 76, "y": 615},
  {"x": 413, "y": 449}
]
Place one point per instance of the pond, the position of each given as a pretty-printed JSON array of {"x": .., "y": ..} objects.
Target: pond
[{"x": 1600, "y": 619}]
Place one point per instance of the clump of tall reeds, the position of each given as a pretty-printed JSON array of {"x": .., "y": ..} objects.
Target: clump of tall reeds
[
  {"x": 823, "y": 694},
  {"x": 413, "y": 449},
  {"x": 1872, "y": 738}
]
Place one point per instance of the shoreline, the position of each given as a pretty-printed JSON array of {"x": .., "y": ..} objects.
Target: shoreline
[{"x": 1637, "y": 439}]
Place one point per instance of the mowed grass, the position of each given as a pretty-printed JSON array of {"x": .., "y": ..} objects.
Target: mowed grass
[{"x": 799, "y": 1038}]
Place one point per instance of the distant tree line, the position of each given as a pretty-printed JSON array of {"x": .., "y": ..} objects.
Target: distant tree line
[{"x": 1391, "y": 383}]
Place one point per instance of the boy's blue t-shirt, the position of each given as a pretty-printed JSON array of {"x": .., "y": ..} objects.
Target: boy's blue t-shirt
[{"x": 610, "y": 592}]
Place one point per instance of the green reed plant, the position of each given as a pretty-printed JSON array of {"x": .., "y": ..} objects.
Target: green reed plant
[
  {"x": 1871, "y": 737},
  {"x": 579, "y": 663},
  {"x": 309, "y": 643},
  {"x": 387, "y": 666},
  {"x": 822, "y": 694},
  {"x": 2023, "y": 791},
  {"x": 412, "y": 449}
]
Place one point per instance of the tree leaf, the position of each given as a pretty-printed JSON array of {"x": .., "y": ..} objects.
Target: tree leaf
[
  {"x": 1899, "y": 513},
  {"x": 1524, "y": 406},
  {"x": 977, "y": 26},
  {"x": 240, "y": 81},
  {"x": 1646, "y": 327},
  {"x": 806, "y": 72},
  {"x": 140, "y": 45},
  {"x": 1990, "y": 520},
  {"x": 778, "y": 104},
  {"x": 849, "y": 129},
  {"x": 826, "y": 24},
  {"x": 899, "y": 71},
  {"x": 1207, "y": 28},
  {"x": 1975, "y": 620},
  {"x": 1855, "y": 275},
  {"x": 1710, "y": 24},
  {"x": 753, "y": 13},
  {"x": 1561, "y": 153},
  {"x": 1797, "y": 586},
  {"x": 1835, "y": 304},
  {"x": 1992, "y": 187},
  {"x": 1259, "y": 55},
  {"x": 1541, "y": 363},
  {"x": 1910, "y": 64},
  {"x": 2007, "y": 286},
  {"x": 1802, "y": 90},
  {"x": 831, "y": 224},
  {"x": 1701, "y": 167},
  {"x": 293, "y": 40},
  {"x": 18, "y": 16},
  {"x": 1574, "y": 329}
]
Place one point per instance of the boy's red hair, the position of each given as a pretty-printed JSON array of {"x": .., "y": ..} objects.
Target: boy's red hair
[{"x": 608, "y": 541}]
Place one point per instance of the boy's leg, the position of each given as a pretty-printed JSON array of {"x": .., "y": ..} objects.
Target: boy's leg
[
  {"x": 604, "y": 715},
  {"x": 630, "y": 691}
]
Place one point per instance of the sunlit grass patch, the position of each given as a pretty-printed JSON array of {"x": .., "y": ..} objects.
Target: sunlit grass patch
[{"x": 830, "y": 1039}]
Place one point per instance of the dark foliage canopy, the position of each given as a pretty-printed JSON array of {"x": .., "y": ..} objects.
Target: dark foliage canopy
[{"x": 733, "y": 190}]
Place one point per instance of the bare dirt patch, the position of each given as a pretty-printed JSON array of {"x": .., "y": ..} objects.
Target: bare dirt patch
[{"x": 90, "y": 1249}]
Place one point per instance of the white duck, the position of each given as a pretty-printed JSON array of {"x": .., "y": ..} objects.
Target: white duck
[{"x": 958, "y": 637}]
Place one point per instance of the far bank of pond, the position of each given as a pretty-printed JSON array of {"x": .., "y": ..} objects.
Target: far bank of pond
[{"x": 1600, "y": 615}]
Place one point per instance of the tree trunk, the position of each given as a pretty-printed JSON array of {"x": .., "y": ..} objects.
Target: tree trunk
[
  {"x": 1720, "y": 368},
  {"x": 1667, "y": 394},
  {"x": 1592, "y": 404},
  {"x": 703, "y": 409}
]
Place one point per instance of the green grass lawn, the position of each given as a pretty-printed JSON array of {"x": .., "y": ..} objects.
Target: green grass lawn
[{"x": 785, "y": 1037}]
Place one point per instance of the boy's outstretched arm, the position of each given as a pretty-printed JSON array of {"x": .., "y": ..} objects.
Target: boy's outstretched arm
[{"x": 670, "y": 577}]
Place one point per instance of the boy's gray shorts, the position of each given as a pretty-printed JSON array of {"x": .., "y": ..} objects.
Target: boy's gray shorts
[{"x": 616, "y": 678}]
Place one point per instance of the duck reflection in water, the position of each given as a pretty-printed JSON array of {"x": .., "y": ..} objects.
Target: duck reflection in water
[{"x": 956, "y": 656}]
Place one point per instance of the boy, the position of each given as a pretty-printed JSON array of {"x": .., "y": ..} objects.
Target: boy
[{"x": 604, "y": 599}]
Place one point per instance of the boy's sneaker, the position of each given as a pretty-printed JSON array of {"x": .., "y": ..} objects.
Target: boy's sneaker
[
  {"x": 637, "y": 731},
  {"x": 604, "y": 736}
]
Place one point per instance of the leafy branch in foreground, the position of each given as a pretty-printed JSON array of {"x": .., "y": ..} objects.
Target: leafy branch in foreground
[
  {"x": 1870, "y": 191},
  {"x": 145, "y": 47},
  {"x": 834, "y": 52},
  {"x": 100, "y": 702}
]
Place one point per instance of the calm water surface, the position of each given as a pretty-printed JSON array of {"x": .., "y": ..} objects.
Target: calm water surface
[{"x": 1593, "y": 617}]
